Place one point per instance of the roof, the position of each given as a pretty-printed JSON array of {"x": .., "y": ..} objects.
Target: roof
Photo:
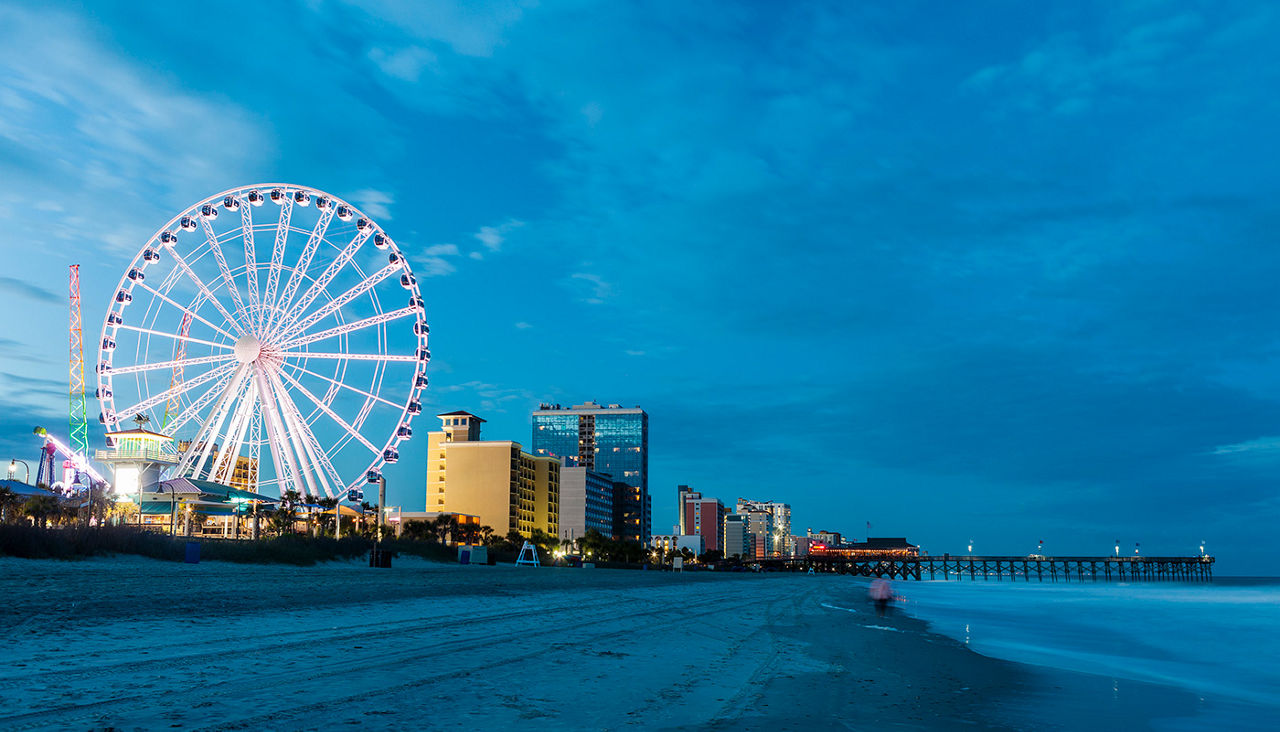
[
  {"x": 896, "y": 542},
  {"x": 195, "y": 486},
  {"x": 23, "y": 489},
  {"x": 460, "y": 413}
]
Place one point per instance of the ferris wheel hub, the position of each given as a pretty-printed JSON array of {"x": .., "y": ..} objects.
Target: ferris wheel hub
[{"x": 248, "y": 348}]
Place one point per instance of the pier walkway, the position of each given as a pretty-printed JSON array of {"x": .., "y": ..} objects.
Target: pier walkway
[{"x": 1000, "y": 568}]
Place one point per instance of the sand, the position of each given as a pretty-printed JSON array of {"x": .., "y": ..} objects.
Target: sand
[{"x": 130, "y": 643}]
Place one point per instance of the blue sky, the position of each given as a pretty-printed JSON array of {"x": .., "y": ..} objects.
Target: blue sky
[{"x": 1002, "y": 271}]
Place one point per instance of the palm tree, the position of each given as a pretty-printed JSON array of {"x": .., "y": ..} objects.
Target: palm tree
[
  {"x": 41, "y": 508},
  {"x": 446, "y": 525},
  {"x": 8, "y": 501}
]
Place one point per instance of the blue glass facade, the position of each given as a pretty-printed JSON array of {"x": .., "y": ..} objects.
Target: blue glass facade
[{"x": 609, "y": 440}]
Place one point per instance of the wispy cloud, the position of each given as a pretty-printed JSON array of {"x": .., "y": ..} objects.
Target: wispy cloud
[
  {"x": 492, "y": 237},
  {"x": 26, "y": 289},
  {"x": 374, "y": 202},
  {"x": 596, "y": 289},
  {"x": 523, "y": 325}
]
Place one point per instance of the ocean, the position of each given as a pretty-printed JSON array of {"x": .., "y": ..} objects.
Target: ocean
[{"x": 1219, "y": 640}]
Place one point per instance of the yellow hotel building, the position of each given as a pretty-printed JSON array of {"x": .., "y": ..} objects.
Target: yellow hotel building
[{"x": 494, "y": 479}]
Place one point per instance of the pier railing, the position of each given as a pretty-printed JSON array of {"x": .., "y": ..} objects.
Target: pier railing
[{"x": 1007, "y": 568}]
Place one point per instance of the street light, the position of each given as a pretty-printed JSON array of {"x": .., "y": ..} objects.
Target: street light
[
  {"x": 971, "y": 546},
  {"x": 1117, "y": 547},
  {"x": 13, "y": 468}
]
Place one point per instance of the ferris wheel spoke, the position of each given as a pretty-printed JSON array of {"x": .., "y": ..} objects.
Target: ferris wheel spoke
[
  {"x": 199, "y": 283},
  {"x": 319, "y": 462},
  {"x": 349, "y": 327},
  {"x": 380, "y": 357},
  {"x": 175, "y": 336},
  {"x": 188, "y": 311},
  {"x": 212, "y": 238},
  {"x": 250, "y": 253},
  {"x": 300, "y": 269},
  {"x": 295, "y": 327},
  {"x": 330, "y": 272},
  {"x": 339, "y": 384},
  {"x": 277, "y": 262},
  {"x": 224, "y": 467},
  {"x": 198, "y": 451},
  {"x": 177, "y": 390},
  {"x": 302, "y": 457},
  {"x": 330, "y": 413},
  {"x": 197, "y": 406},
  {"x": 170, "y": 364}
]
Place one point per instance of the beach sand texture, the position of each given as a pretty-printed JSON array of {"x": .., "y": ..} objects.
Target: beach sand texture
[{"x": 139, "y": 644}]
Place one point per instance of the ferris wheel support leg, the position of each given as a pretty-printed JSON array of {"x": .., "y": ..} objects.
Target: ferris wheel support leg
[
  {"x": 277, "y": 441},
  {"x": 226, "y": 463},
  {"x": 213, "y": 426},
  {"x": 295, "y": 437},
  {"x": 309, "y": 443}
]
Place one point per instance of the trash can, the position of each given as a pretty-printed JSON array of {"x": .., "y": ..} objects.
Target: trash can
[
  {"x": 193, "y": 552},
  {"x": 380, "y": 558}
]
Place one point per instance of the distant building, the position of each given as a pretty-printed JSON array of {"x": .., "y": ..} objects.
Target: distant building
[
  {"x": 801, "y": 544},
  {"x": 760, "y": 529},
  {"x": 873, "y": 546},
  {"x": 704, "y": 516},
  {"x": 244, "y": 475},
  {"x": 737, "y": 538},
  {"x": 683, "y": 491},
  {"x": 611, "y": 439},
  {"x": 493, "y": 479},
  {"x": 825, "y": 538},
  {"x": 586, "y": 503},
  {"x": 779, "y": 542}
]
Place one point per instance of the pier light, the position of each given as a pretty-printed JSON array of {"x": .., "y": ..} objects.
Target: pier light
[
  {"x": 1202, "y": 548},
  {"x": 1117, "y": 547},
  {"x": 971, "y": 546}
]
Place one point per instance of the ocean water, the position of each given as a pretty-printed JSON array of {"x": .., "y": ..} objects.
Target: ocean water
[{"x": 1218, "y": 640}]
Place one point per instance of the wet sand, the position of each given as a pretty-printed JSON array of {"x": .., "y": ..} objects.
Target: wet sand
[{"x": 138, "y": 644}]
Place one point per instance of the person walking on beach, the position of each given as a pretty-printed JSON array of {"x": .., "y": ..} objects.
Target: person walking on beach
[{"x": 882, "y": 593}]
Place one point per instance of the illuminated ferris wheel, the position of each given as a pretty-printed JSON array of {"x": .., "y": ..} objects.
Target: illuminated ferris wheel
[{"x": 269, "y": 316}]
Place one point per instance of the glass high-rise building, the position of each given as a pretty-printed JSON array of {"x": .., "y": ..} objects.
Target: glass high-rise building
[{"x": 609, "y": 439}]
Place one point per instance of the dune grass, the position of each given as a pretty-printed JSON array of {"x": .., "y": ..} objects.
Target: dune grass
[{"x": 30, "y": 542}]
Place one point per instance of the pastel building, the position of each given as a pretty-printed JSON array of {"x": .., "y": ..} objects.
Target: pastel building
[
  {"x": 702, "y": 516},
  {"x": 612, "y": 440},
  {"x": 495, "y": 480},
  {"x": 586, "y": 503}
]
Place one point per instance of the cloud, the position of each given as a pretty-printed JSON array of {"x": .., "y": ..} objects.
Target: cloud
[
  {"x": 374, "y": 202},
  {"x": 493, "y": 236},
  {"x": 598, "y": 289},
  {"x": 405, "y": 64},
  {"x": 476, "y": 255},
  {"x": 441, "y": 250},
  {"x": 26, "y": 289},
  {"x": 433, "y": 267},
  {"x": 523, "y": 325}
]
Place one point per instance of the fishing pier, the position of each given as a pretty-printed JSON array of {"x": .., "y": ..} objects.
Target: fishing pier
[{"x": 1005, "y": 568}]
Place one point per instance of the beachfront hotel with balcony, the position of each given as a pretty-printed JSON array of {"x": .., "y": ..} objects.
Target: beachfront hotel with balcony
[{"x": 496, "y": 480}]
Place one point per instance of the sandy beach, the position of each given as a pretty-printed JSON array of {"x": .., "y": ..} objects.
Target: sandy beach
[{"x": 130, "y": 643}]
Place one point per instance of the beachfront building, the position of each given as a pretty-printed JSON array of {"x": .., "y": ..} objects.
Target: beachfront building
[
  {"x": 495, "y": 480},
  {"x": 612, "y": 440},
  {"x": 801, "y": 544},
  {"x": 737, "y": 539},
  {"x": 138, "y": 459},
  {"x": 760, "y": 528},
  {"x": 703, "y": 516},
  {"x": 586, "y": 503},
  {"x": 780, "y": 544}
]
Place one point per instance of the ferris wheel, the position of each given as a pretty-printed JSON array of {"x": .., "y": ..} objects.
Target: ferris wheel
[{"x": 277, "y": 333}]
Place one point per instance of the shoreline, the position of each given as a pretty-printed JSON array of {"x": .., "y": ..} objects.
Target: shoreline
[{"x": 217, "y": 644}]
